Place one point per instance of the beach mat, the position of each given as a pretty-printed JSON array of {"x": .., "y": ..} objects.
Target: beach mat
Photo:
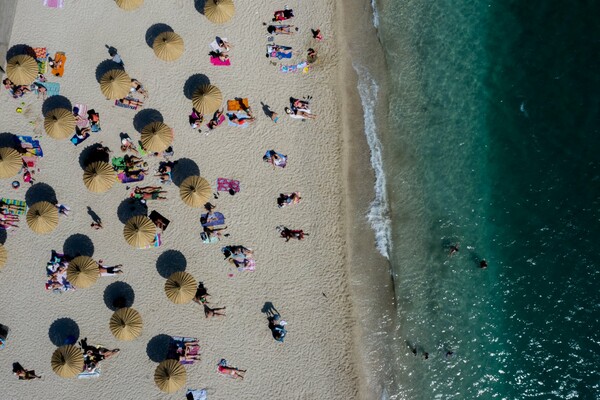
[
  {"x": 87, "y": 375},
  {"x": 156, "y": 217},
  {"x": 59, "y": 70},
  {"x": 217, "y": 62},
  {"x": 54, "y": 3},
  {"x": 157, "y": 242},
  {"x": 31, "y": 146},
  {"x": 196, "y": 394},
  {"x": 217, "y": 219},
  {"x": 237, "y": 105},
  {"x": 83, "y": 122},
  {"x": 123, "y": 178},
  {"x": 119, "y": 103},
  {"x": 241, "y": 115},
  {"x": 301, "y": 66},
  {"x": 19, "y": 203},
  {"x": 224, "y": 184},
  {"x": 52, "y": 88},
  {"x": 76, "y": 140}
]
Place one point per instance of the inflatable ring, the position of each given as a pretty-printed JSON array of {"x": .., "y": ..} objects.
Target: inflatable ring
[{"x": 16, "y": 184}]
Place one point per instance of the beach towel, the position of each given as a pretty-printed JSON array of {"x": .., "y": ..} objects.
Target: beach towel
[
  {"x": 52, "y": 88},
  {"x": 60, "y": 59},
  {"x": 250, "y": 266},
  {"x": 159, "y": 219},
  {"x": 224, "y": 185},
  {"x": 57, "y": 260},
  {"x": 31, "y": 146},
  {"x": 95, "y": 128},
  {"x": 215, "y": 47},
  {"x": 119, "y": 103},
  {"x": 196, "y": 394},
  {"x": 93, "y": 374},
  {"x": 54, "y": 3},
  {"x": 41, "y": 56},
  {"x": 238, "y": 105},
  {"x": 301, "y": 66},
  {"x": 177, "y": 348},
  {"x": 82, "y": 110},
  {"x": 123, "y": 178},
  {"x": 157, "y": 242},
  {"x": 141, "y": 149},
  {"x": 215, "y": 219},
  {"x": 76, "y": 140},
  {"x": 19, "y": 203},
  {"x": 209, "y": 239},
  {"x": 118, "y": 163},
  {"x": 275, "y": 51},
  {"x": 217, "y": 62},
  {"x": 280, "y": 161},
  {"x": 242, "y": 117},
  {"x": 219, "y": 122}
]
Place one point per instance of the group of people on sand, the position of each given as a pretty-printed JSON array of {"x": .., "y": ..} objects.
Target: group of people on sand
[
  {"x": 201, "y": 298},
  {"x": 9, "y": 215},
  {"x": 92, "y": 355},
  {"x": 149, "y": 193}
]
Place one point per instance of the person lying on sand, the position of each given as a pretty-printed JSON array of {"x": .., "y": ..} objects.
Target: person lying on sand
[
  {"x": 213, "y": 312},
  {"x": 297, "y": 104},
  {"x": 136, "y": 86},
  {"x": 224, "y": 369},
  {"x": 282, "y": 15},
  {"x": 24, "y": 374},
  {"x": 240, "y": 121},
  {"x": 214, "y": 122},
  {"x": 105, "y": 270},
  {"x": 201, "y": 295},
  {"x": 224, "y": 46},
  {"x": 300, "y": 113},
  {"x": 220, "y": 56},
  {"x": 131, "y": 102},
  {"x": 127, "y": 144},
  {"x": 281, "y": 29},
  {"x": 184, "y": 352},
  {"x": 288, "y": 234}
]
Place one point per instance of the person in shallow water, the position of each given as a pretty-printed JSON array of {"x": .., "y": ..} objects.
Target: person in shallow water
[
  {"x": 483, "y": 264},
  {"x": 453, "y": 249}
]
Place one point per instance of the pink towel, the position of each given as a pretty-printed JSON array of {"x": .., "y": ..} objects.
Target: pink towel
[
  {"x": 223, "y": 185},
  {"x": 54, "y": 3},
  {"x": 217, "y": 62}
]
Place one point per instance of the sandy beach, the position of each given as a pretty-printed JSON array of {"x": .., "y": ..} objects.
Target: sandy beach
[{"x": 306, "y": 281}]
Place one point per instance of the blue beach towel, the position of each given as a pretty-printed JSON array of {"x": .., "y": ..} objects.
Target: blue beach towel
[{"x": 241, "y": 115}]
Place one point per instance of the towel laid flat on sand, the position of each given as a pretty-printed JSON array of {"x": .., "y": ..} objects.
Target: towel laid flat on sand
[
  {"x": 224, "y": 185},
  {"x": 31, "y": 146},
  {"x": 76, "y": 140},
  {"x": 119, "y": 103},
  {"x": 19, "y": 203},
  {"x": 54, "y": 3},
  {"x": 82, "y": 121},
  {"x": 196, "y": 394},
  {"x": 216, "y": 61},
  {"x": 41, "y": 56},
  {"x": 127, "y": 179},
  {"x": 157, "y": 242},
  {"x": 52, "y": 88},
  {"x": 93, "y": 374},
  {"x": 219, "y": 122},
  {"x": 60, "y": 59},
  {"x": 242, "y": 118},
  {"x": 238, "y": 104},
  {"x": 177, "y": 348},
  {"x": 214, "y": 219},
  {"x": 301, "y": 66}
]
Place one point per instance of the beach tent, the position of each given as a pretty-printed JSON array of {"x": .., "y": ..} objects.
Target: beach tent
[
  {"x": 170, "y": 376},
  {"x": 156, "y": 136},
  {"x": 10, "y": 162},
  {"x": 219, "y": 11},
  {"x": 115, "y": 84},
  {"x": 139, "y": 231},
  {"x": 195, "y": 191},
  {"x": 67, "y": 361},
  {"x": 82, "y": 272},
  {"x": 60, "y": 123},
  {"x": 126, "y": 324},
  {"x": 99, "y": 176},
  {"x": 180, "y": 288},
  {"x": 22, "y": 69},
  {"x": 207, "y": 99},
  {"x": 42, "y": 217},
  {"x": 168, "y": 46},
  {"x": 129, "y": 5},
  {"x": 3, "y": 256}
]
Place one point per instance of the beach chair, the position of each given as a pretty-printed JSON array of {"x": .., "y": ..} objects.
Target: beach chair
[{"x": 59, "y": 64}]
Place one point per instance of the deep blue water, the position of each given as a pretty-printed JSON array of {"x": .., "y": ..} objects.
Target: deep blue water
[{"x": 494, "y": 145}]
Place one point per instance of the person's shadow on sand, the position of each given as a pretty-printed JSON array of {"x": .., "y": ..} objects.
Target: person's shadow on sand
[{"x": 269, "y": 309}]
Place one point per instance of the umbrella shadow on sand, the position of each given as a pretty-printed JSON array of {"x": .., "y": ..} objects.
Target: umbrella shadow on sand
[
  {"x": 118, "y": 295},
  {"x": 156, "y": 30},
  {"x": 158, "y": 347},
  {"x": 130, "y": 208},
  {"x": 78, "y": 245},
  {"x": 10, "y": 140},
  {"x": 92, "y": 154},
  {"x": 55, "y": 102},
  {"x": 183, "y": 168},
  {"x": 192, "y": 83},
  {"x": 199, "y": 5},
  {"x": 19, "y": 49},
  {"x": 145, "y": 117},
  {"x": 105, "y": 66},
  {"x": 63, "y": 331},
  {"x": 40, "y": 192},
  {"x": 169, "y": 262}
]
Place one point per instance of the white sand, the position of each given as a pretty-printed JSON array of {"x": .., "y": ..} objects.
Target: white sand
[{"x": 316, "y": 360}]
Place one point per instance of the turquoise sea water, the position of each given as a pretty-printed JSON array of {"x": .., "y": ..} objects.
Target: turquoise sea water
[{"x": 493, "y": 144}]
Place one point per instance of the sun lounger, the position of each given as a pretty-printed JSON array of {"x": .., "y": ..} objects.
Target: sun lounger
[
  {"x": 238, "y": 104},
  {"x": 54, "y": 3},
  {"x": 196, "y": 394},
  {"x": 123, "y": 178},
  {"x": 224, "y": 185},
  {"x": 119, "y": 103},
  {"x": 19, "y": 203},
  {"x": 82, "y": 121},
  {"x": 60, "y": 59},
  {"x": 217, "y": 62},
  {"x": 177, "y": 348}
]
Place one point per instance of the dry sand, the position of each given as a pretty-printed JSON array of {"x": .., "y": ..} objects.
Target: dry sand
[{"x": 316, "y": 361}]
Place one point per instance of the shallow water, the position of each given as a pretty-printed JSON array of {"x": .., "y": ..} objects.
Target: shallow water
[{"x": 494, "y": 132}]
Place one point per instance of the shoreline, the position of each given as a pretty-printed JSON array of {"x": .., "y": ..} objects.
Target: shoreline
[{"x": 371, "y": 281}]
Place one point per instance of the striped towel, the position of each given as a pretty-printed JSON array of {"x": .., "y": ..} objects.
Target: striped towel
[
  {"x": 223, "y": 185},
  {"x": 303, "y": 66},
  {"x": 54, "y": 3},
  {"x": 19, "y": 203}
]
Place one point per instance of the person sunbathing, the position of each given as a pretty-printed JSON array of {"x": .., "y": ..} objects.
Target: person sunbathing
[
  {"x": 188, "y": 346},
  {"x": 214, "y": 122},
  {"x": 224, "y": 46},
  {"x": 201, "y": 295},
  {"x": 286, "y": 199},
  {"x": 24, "y": 374},
  {"x": 219, "y": 55},
  {"x": 311, "y": 56},
  {"x": 9, "y": 217},
  {"x": 281, "y": 29},
  {"x": 280, "y": 52},
  {"x": 135, "y": 174},
  {"x": 105, "y": 270},
  {"x": 231, "y": 371},
  {"x": 213, "y": 312},
  {"x": 148, "y": 189},
  {"x": 195, "y": 119},
  {"x": 298, "y": 104},
  {"x": 82, "y": 133},
  {"x": 6, "y": 208},
  {"x": 8, "y": 85},
  {"x": 240, "y": 121},
  {"x": 127, "y": 144},
  {"x": 300, "y": 113},
  {"x": 8, "y": 224},
  {"x": 41, "y": 90},
  {"x": 211, "y": 231},
  {"x": 136, "y": 86},
  {"x": 273, "y": 158},
  {"x": 93, "y": 117},
  {"x": 133, "y": 161},
  {"x": 282, "y": 15},
  {"x": 131, "y": 102},
  {"x": 288, "y": 234}
]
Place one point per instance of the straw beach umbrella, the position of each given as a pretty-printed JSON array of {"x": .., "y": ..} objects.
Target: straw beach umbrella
[
  {"x": 126, "y": 324},
  {"x": 156, "y": 136},
  {"x": 168, "y": 46},
  {"x": 180, "y": 288},
  {"x": 82, "y": 272},
  {"x": 207, "y": 99},
  {"x": 3, "y": 256},
  {"x": 219, "y": 11},
  {"x": 115, "y": 84},
  {"x": 67, "y": 361},
  {"x": 10, "y": 162},
  {"x": 139, "y": 231},
  {"x": 195, "y": 191},
  {"x": 60, "y": 123},
  {"x": 129, "y": 5},
  {"x": 22, "y": 69},
  {"x": 99, "y": 176},
  {"x": 42, "y": 217},
  {"x": 170, "y": 376}
]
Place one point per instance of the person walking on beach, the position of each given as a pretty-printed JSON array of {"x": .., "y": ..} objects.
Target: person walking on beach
[{"x": 24, "y": 374}]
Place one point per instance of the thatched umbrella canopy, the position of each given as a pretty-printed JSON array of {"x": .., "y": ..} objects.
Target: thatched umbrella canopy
[
  {"x": 180, "y": 288},
  {"x": 115, "y": 84},
  {"x": 219, "y": 11},
  {"x": 126, "y": 324},
  {"x": 82, "y": 272},
  {"x": 67, "y": 361},
  {"x": 139, "y": 231},
  {"x": 168, "y": 46},
  {"x": 22, "y": 69},
  {"x": 207, "y": 99},
  {"x": 42, "y": 217},
  {"x": 170, "y": 376},
  {"x": 195, "y": 191},
  {"x": 99, "y": 176},
  {"x": 129, "y": 5},
  {"x": 60, "y": 123},
  {"x": 10, "y": 162},
  {"x": 156, "y": 136}
]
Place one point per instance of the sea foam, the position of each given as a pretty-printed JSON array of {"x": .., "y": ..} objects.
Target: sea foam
[{"x": 378, "y": 215}]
